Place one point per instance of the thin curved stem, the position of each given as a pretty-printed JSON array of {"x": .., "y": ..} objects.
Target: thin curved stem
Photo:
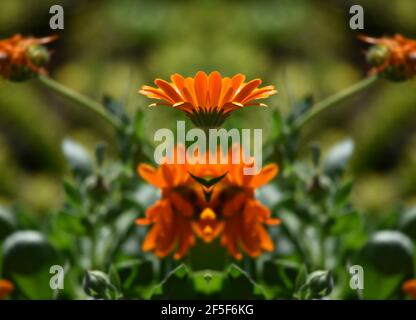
[
  {"x": 82, "y": 100},
  {"x": 333, "y": 100}
]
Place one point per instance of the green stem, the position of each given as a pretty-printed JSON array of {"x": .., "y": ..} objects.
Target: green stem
[
  {"x": 81, "y": 100},
  {"x": 334, "y": 100}
]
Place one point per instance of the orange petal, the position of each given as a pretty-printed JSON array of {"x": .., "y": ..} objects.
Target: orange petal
[
  {"x": 6, "y": 287},
  {"x": 266, "y": 242},
  {"x": 189, "y": 92},
  {"x": 238, "y": 80},
  {"x": 149, "y": 242},
  {"x": 151, "y": 175},
  {"x": 226, "y": 91},
  {"x": 247, "y": 89},
  {"x": 201, "y": 88},
  {"x": 143, "y": 221},
  {"x": 266, "y": 174},
  {"x": 169, "y": 90},
  {"x": 178, "y": 80},
  {"x": 154, "y": 93},
  {"x": 214, "y": 88},
  {"x": 260, "y": 94}
]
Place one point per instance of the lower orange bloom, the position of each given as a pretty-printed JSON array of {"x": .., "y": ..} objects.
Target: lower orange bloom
[
  {"x": 245, "y": 217},
  {"x": 6, "y": 287},
  {"x": 170, "y": 216},
  {"x": 189, "y": 209},
  {"x": 410, "y": 288}
]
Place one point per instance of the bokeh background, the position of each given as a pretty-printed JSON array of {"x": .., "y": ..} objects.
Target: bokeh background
[{"x": 304, "y": 47}]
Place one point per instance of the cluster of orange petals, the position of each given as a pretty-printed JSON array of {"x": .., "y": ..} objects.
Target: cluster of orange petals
[
  {"x": 13, "y": 53},
  {"x": 184, "y": 213},
  {"x": 409, "y": 287},
  {"x": 401, "y": 53},
  {"x": 207, "y": 99},
  {"x": 6, "y": 287}
]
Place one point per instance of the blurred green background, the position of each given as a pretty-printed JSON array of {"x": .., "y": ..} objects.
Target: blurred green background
[{"x": 114, "y": 46}]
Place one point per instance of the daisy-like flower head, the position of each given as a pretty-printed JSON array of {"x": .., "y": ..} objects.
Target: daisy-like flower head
[
  {"x": 208, "y": 99},
  {"x": 188, "y": 208},
  {"x": 171, "y": 216},
  {"x": 23, "y": 57},
  {"x": 409, "y": 287},
  {"x": 6, "y": 287},
  {"x": 244, "y": 216},
  {"x": 235, "y": 215},
  {"x": 393, "y": 57}
]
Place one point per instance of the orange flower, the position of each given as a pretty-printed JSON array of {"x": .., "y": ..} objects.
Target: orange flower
[
  {"x": 21, "y": 57},
  {"x": 169, "y": 216},
  {"x": 234, "y": 214},
  {"x": 6, "y": 287},
  {"x": 394, "y": 57},
  {"x": 245, "y": 217},
  {"x": 410, "y": 288},
  {"x": 207, "y": 99},
  {"x": 190, "y": 206}
]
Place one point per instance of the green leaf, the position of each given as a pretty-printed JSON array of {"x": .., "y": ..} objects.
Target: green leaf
[
  {"x": 177, "y": 285},
  {"x": 115, "y": 108},
  {"x": 342, "y": 194},
  {"x": 300, "y": 108},
  {"x": 407, "y": 223},
  {"x": 338, "y": 157},
  {"x": 73, "y": 193},
  {"x": 77, "y": 157},
  {"x": 280, "y": 273},
  {"x": 114, "y": 277},
  {"x": 27, "y": 252},
  {"x": 239, "y": 285},
  {"x": 208, "y": 282},
  {"x": 389, "y": 253},
  {"x": 100, "y": 150},
  {"x": 8, "y": 223},
  {"x": 300, "y": 282},
  {"x": 347, "y": 222}
]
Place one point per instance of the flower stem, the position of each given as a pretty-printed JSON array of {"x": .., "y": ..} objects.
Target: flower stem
[
  {"x": 81, "y": 100},
  {"x": 334, "y": 100}
]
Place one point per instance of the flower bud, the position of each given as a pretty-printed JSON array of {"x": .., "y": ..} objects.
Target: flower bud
[
  {"x": 320, "y": 283},
  {"x": 38, "y": 55},
  {"x": 96, "y": 284},
  {"x": 377, "y": 55}
]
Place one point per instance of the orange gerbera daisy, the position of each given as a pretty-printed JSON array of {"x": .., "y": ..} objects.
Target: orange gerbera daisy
[
  {"x": 233, "y": 212},
  {"x": 394, "y": 57},
  {"x": 208, "y": 201},
  {"x": 245, "y": 217},
  {"x": 410, "y": 288},
  {"x": 22, "y": 57},
  {"x": 6, "y": 287},
  {"x": 170, "y": 216},
  {"x": 207, "y": 99}
]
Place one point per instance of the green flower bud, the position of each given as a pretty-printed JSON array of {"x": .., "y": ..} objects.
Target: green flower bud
[
  {"x": 38, "y": 55},
  {"x": 97, "y": 284},
  {"x": 377, "y": 55},
  {"x": 320, "y": 283}
]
